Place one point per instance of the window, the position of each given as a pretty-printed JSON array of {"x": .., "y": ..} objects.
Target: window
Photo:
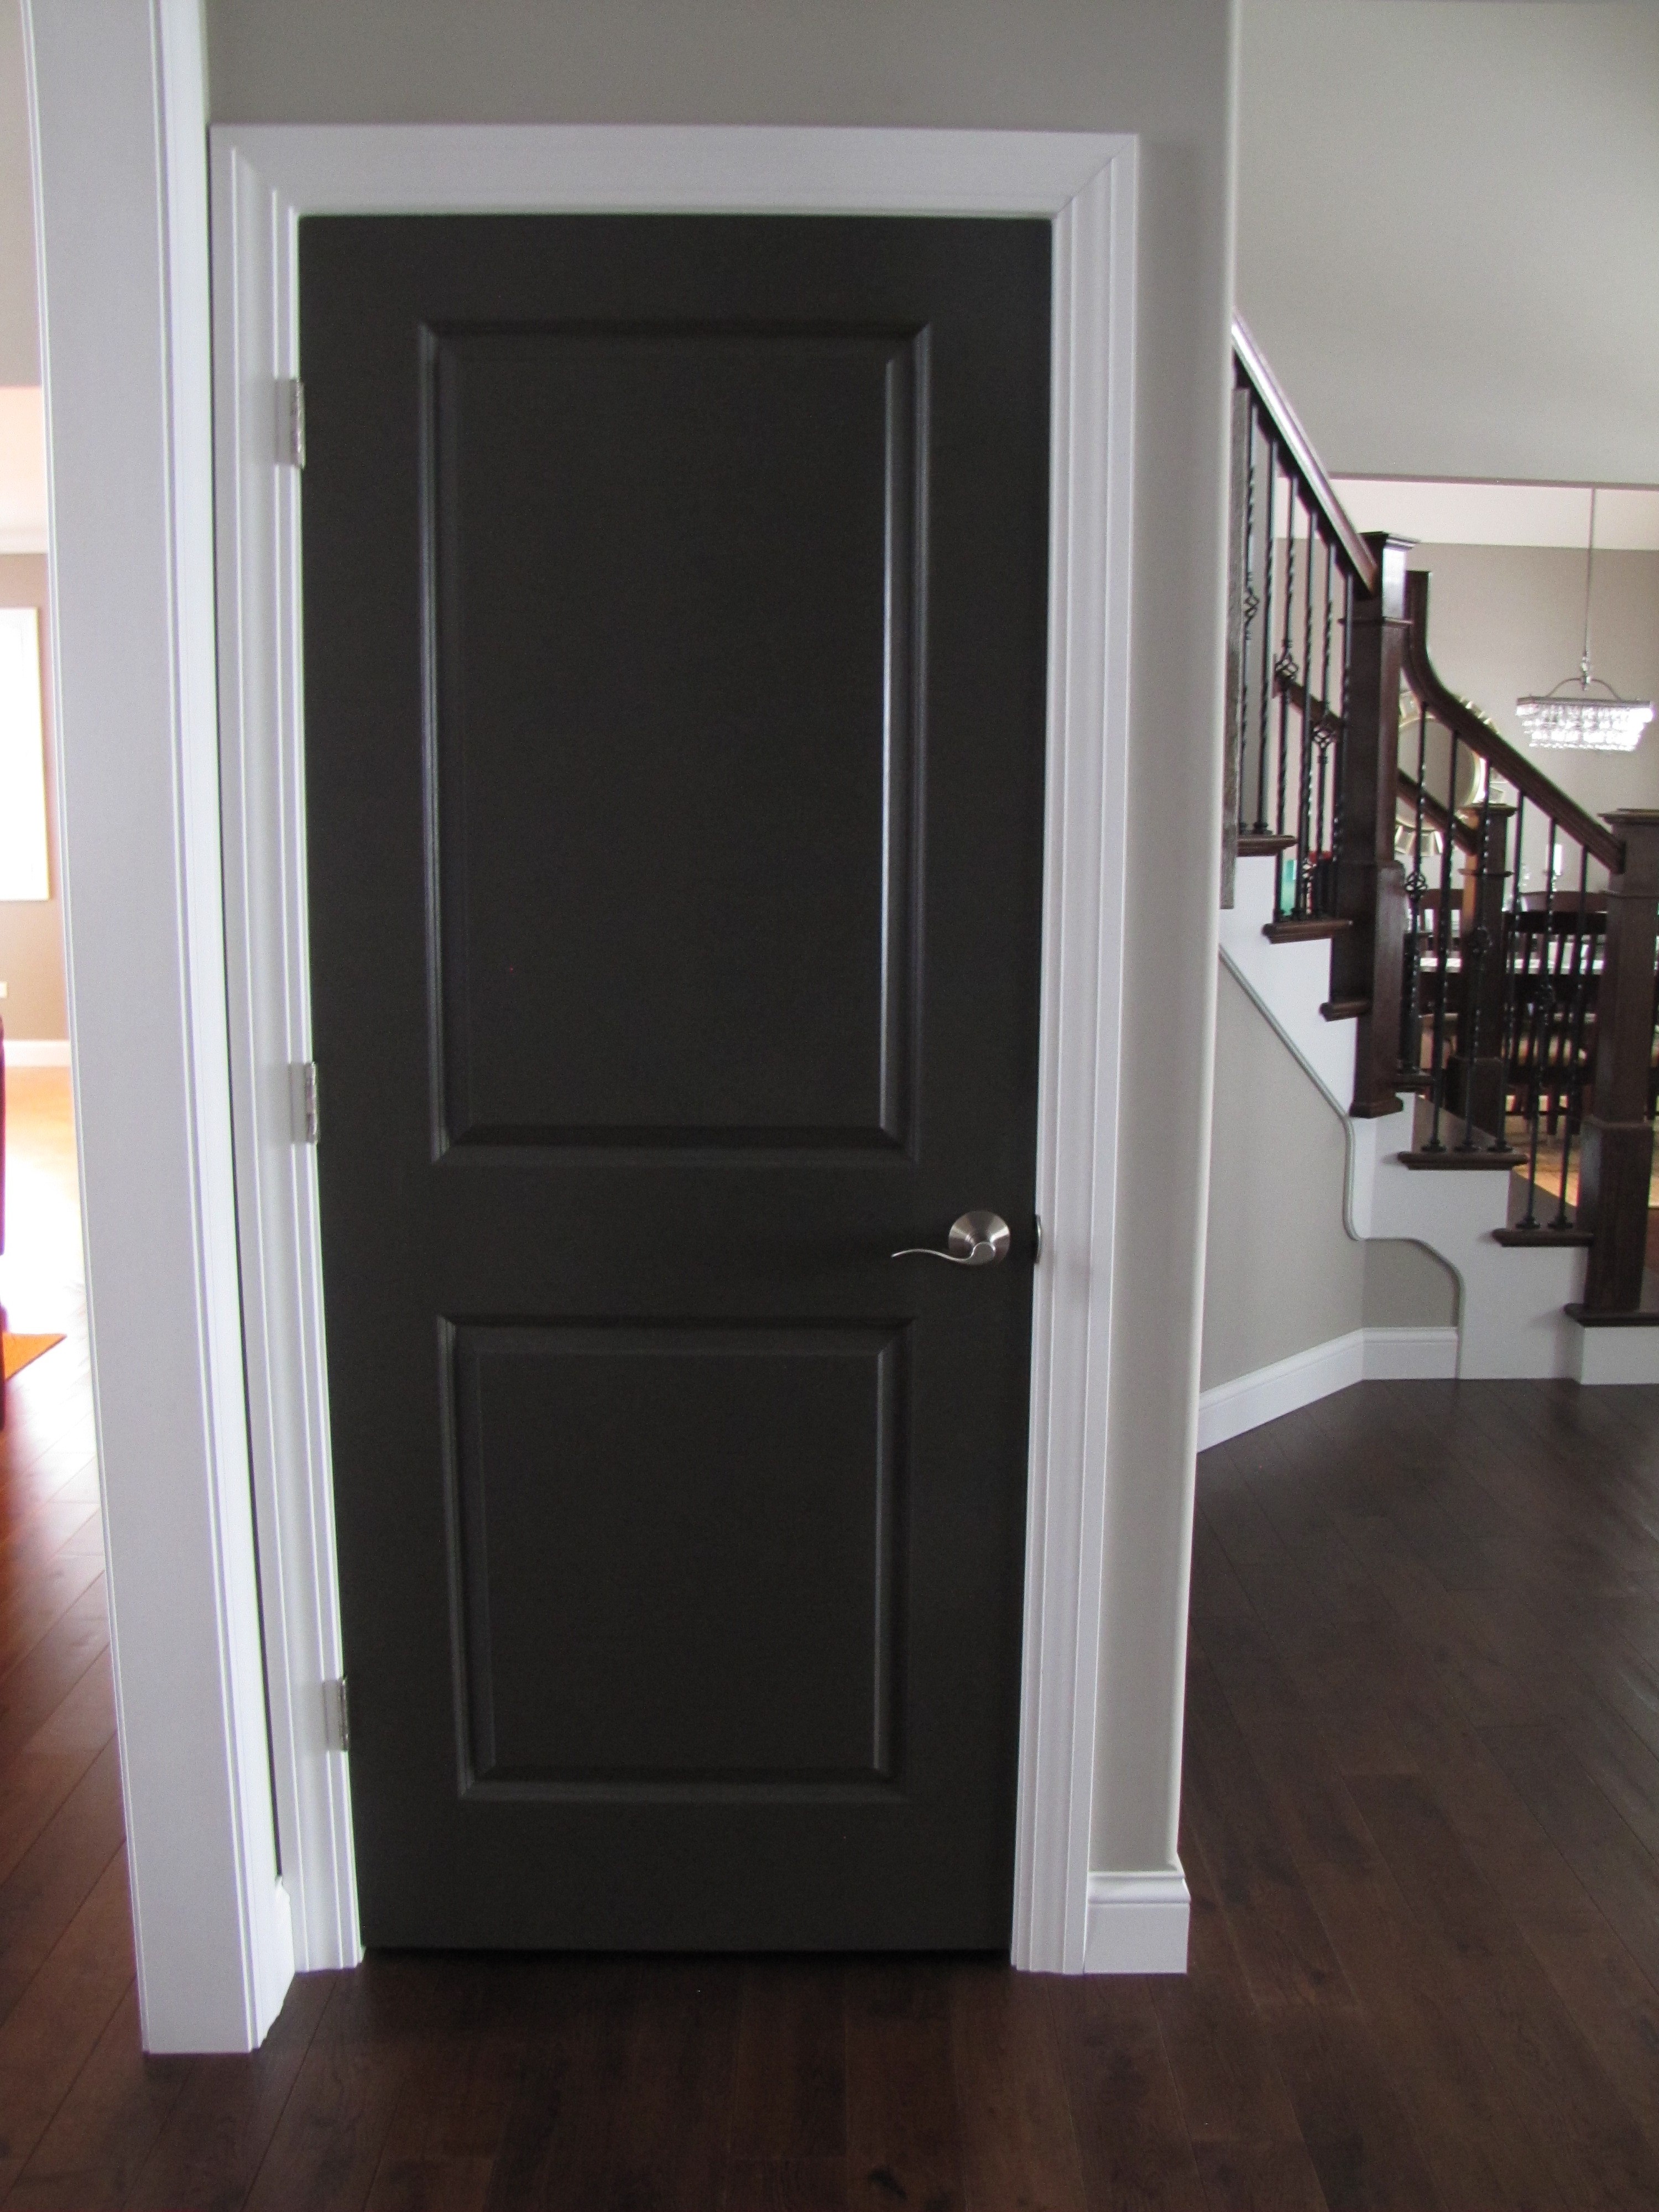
[{"x": 22, "y": 759}]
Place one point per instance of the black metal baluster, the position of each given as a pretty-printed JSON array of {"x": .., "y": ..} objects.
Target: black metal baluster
[
  {"x": 1443, "y": 961},
  {"x": 1542, "y": 1012},
  {"x": 1509, "y": 1042},
  {"x": 1324, "y": 736},
  {"x": 1304, "y": 837},
  {"x": 1477, "y": 945},
  {"x": 1573, "y": 1041},
  {"x": 1411, "y": 1039},
  {"x": 1249, "y": 607},
  {"x": 1342, "y": 722},
  {"x": 1284, "y": 674},
  {"x": 1265, "y": 704}
]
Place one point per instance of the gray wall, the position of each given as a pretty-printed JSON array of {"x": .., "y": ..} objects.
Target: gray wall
[
  {"x": 20, "y": 346},
  {"x": 1282, "y": 1273},
  {"x": 31, "y": 930},
  {"x": 1163, "y": 72},
  {"x": 1448, "y": 217}
]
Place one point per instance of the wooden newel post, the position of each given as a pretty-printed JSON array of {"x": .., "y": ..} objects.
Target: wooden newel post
[
  {"x": 1477, "y": 1078},
  {"x": 1617, "y": 1167},
  {"x": 1367, "y": 958}
]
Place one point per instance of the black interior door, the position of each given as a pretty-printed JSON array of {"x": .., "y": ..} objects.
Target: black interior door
[{"x": 675, "y": 607}]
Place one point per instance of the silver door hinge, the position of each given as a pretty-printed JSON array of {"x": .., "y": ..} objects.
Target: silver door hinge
[
  {"x": 1036, "y": 1244},
  {"x": 307, "y": 1101},
  {"x": 291, "y": 396},
  {"x": 336, "y": 1715}
]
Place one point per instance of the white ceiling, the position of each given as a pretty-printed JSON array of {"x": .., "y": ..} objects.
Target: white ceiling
[{"x": 1435, "y": 512}]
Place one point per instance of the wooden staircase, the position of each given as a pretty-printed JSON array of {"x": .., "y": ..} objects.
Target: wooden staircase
[{"x": 1460, "y": 956}]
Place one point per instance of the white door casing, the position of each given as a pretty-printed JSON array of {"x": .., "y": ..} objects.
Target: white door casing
[
  {"x": 162, "y": 1074},
  {"x": 264, "y": 179}
]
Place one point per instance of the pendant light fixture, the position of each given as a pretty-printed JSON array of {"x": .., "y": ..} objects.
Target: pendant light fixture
[{"x": 1585, "y": 712}]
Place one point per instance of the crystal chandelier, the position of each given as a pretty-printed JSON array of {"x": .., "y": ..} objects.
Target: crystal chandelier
[{"x": 1585, "y": 712}]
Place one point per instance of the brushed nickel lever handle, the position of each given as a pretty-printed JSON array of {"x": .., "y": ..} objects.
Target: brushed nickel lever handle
[{"x": 976, "y": 1240}]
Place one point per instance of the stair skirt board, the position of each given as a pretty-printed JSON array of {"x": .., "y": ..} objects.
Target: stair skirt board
[
  {"x": 1364, "y": 1355},
  {"x": 1137, "y": 1924}
]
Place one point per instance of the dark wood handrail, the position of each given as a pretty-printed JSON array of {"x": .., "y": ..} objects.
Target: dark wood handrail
[
  {"x": 1474, "y": 730},
  {"x": 1288, "y": 429}
]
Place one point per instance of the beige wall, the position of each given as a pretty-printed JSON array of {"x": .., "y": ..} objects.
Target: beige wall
[
  {"x": 1448, "y": 214},
  {"x": 1282, "y": 1272},
  {"x": 31, "y": 930},
  {"x": 1408, "y": 1286},
  {"x": 1163, "y": 72},
  {"x": 1508, "y": 620},
  {"x": 20, "y": 348}
]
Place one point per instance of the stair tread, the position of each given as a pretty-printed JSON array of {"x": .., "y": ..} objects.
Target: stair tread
[
  {"x": 1460, "y": 1162},
  {"x": 1254, "y": 847},
  {"x": 1291, "y": 932},
  {"x": 1586, "y": 1319},
  {"x": 1517, "y": 1237}
]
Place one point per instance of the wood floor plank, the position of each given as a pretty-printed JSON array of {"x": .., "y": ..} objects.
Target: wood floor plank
[
  {"x": 556, "y": 2151},
  {"x": 1281, "y": 1945},
  {"x": 902, "y": 2143},
  {"x": 785, "y": 2185},
  {"x": 1587, "y": 2136},
  {"x": 32, "y": 1611},
  {"x": 789, "y": 2081},
  {"x": 91, "y": 2155},
  {"x": 1132, "y": 2138},
  {"x": 217, "y": 2133},
  {"x": 1603, "y": 1849},
  {"x": 1475, "y": 2140},
  {"x": 1218, "y": 2044},
  {"x": 326, "y": 2145},
  {"x": 1358, "y": 2135},
  {"x": 1258, "y": 2177},
  {"x": 32, "y": 1790},
  {"x": 32, "y": 1689},
  {"x": 52, "y": 2029},
  {"x": 674, "y": 2110},
  {"x": 50, "y": 1883},
  {"x": 1019, "y": 2153}
]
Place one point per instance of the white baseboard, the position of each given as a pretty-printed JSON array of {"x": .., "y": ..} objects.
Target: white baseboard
[
  {"x": 1617, "y": 1355},
  {"x": 1407, "y": 1355},
  {"x": 37, "y": 1052},
  {"x": 1137, "y": 1924},
  {"x": 1363, "y": 1355}
]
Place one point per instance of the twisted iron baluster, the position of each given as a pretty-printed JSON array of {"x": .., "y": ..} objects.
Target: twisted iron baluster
[
  {"x": 1543, "y": 1016},
  {"x": 1265, "y": 705},
  {"x": 1574, "y": 1042},
  {"x": 1324, "y": 736},
  {"x": 1478, "y": 944},
  {"x": 1305, "y": 837},
  {"x": 1283, "y": 676},
  {"x": 1442, "y": 958},
  {"x": 1250, "y": 606},
  {"x": 1410, "y": 1043}
]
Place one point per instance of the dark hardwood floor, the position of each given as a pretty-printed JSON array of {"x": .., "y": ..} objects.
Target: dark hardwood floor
[{"x": 1421, "y": 1829}]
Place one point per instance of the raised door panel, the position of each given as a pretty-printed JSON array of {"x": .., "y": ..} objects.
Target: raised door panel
[{"x": 673, "y": 577}]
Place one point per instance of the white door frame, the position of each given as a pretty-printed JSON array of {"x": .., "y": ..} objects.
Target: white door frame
[
  {"x": 187, "y": 948},
  {"x": 264, "y": 178}
]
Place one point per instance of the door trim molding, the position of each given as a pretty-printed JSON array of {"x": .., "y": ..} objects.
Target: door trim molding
[{"x": 264, "y": 178}]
